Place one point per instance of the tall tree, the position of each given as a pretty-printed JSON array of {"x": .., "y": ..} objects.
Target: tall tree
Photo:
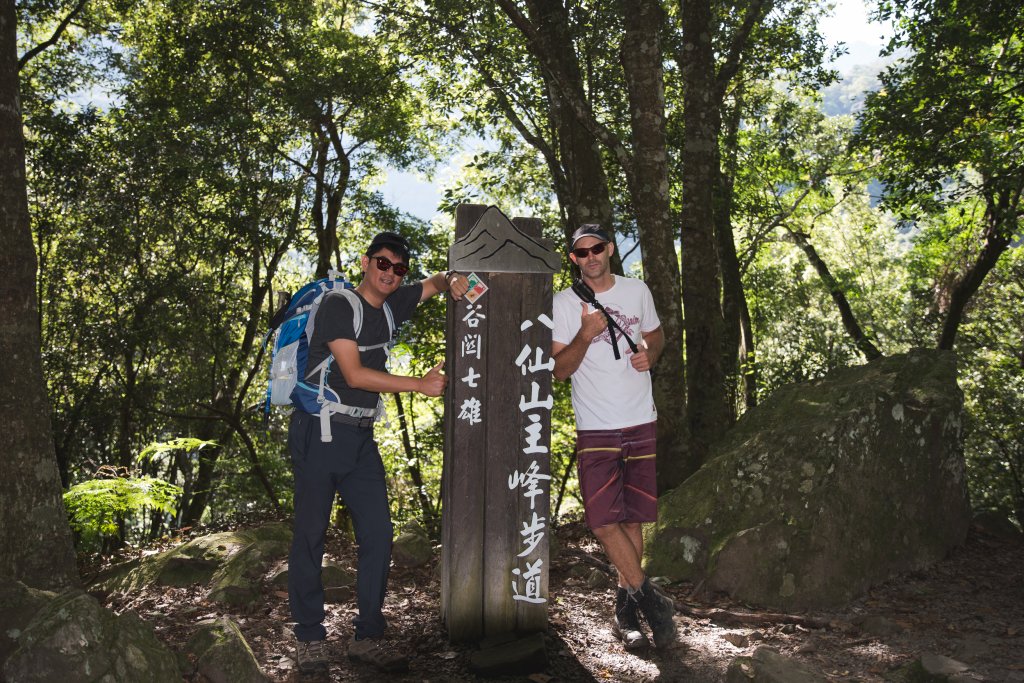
[
  {"x": 578, "y": 163},
  {"x": 583, "y": 84},
  {"x": 720, "y": 50},
  {"x": 33, "y": 527},
  {"x": 647, "y": 173},
  {"x": 480, "y": 62},
  {"x": 701, "y": 269},
  {"x": 948, "y": 126}
]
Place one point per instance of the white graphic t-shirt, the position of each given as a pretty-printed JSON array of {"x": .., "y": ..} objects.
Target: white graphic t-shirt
[{"x": 609, "y": 393}]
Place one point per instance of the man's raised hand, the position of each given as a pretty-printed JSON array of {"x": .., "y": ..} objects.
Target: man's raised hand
[
  {"x": 434, "y": 382},
  {"x": 591, "y": 324}
]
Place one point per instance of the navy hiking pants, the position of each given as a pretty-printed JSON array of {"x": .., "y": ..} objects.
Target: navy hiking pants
[{"x": 351, "y": 466}]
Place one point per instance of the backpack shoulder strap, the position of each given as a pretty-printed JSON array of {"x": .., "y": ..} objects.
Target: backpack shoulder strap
[
  {"x": 357, "y": 319},
  {"x": 391, "y": 323},
  {"x": 357, "y": 309}
]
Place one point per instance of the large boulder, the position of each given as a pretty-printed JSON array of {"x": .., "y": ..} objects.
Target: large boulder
[
  {"x": 73, "y": 638},
  {"x": 826, "y": 489},
  {"x": 18, "y": 604},
  {"x": 230, "y": 563}
]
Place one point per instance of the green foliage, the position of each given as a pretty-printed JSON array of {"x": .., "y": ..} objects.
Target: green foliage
[
  {"x": 991, "y": 352},
  {"x": 190, "y": 161},
  {"x": 97, "y": 507},
  {"x": 187, "y": 444},
  {"x": 234, "y": 144},
  {"x": 951, "y": 106}
]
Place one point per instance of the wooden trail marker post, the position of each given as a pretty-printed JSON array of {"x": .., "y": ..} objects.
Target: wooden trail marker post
[{"x": 496, "y": 478}]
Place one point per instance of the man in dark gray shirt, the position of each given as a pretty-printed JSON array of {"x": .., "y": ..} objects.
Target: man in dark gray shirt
[{"x": 349, "y": 463}]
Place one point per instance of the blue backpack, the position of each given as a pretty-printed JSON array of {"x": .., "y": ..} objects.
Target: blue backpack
[{"x": 291, "y": 382}]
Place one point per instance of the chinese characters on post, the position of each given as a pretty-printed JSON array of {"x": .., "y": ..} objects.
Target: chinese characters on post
[
  {"x": 471, "y": 346},
  {"x": 527, "y": 578},
  {"x": 496, "y": 479}
]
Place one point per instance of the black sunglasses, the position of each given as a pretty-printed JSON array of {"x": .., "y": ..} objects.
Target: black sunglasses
[
  {"x": 383, "y": 263},
  {"x": 583, "y": 252}
]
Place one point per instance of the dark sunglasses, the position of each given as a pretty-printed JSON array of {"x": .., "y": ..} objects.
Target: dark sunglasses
[
  {"x": 583, "y": 252},
  {"x": 384, "y": 264}
]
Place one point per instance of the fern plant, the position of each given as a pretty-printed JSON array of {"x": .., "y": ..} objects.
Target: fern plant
[{"x": 98, "y": 507}]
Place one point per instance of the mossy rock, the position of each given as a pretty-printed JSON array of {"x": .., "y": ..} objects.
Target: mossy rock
[
  {"x": 73, "y": 638},
  {"x": 827, "y": 488},
  {"x": 333, "y": 574},
  {"x": 231, "y": 563},
  {"x": 18, "y": 605},
  {"x": 412, "y": 548},
  {"x": 221, "y": 653}
]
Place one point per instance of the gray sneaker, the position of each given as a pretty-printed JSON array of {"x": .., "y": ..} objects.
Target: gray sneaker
[
  {"x": 311, "y": 656},
  {"x": 379, "y": 653}
]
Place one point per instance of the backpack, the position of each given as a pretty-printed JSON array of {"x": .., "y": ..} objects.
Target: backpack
[{"x": 292, "y": 329}]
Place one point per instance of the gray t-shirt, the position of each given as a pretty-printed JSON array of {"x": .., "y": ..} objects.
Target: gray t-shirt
[{"x": 334, "y": 321}]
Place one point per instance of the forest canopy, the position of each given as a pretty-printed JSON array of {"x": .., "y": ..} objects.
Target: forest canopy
[{"x": 190, "y": 164}]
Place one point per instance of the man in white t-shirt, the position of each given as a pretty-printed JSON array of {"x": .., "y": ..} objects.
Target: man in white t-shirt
[{"x": 615, "y": 420}]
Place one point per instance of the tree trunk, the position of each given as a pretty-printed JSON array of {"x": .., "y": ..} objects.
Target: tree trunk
[
  {"x": 324, "y": 248},
  {"x": 748, "y": 358},
  {"x": 734, "y": 299},
  {"x": 1000, "y": 219},
  {"x": 733, "y": 296},
  {"x": 586, "y": 197},
  {"x": 641, "y": 57},
  {"x": 34, "y": 532},
  {"x": 646, "y": 171},
  {"x": 701, "y": 276}
]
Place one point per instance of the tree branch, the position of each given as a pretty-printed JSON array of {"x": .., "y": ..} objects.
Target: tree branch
[
  {"x": 734, "y": 60},
  {"x": 853, "y": 328},
  {"x": 579, "y": 106},
  {"x": 58, "y": 32}
]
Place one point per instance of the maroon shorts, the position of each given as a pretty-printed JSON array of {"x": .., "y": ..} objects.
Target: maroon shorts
[{"x": 617, "y": 474}]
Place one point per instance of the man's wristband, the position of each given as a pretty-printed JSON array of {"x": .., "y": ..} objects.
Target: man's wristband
[{"x": 448, "y": 276}]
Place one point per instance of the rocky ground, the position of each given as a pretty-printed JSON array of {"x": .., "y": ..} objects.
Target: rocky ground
[{"x": 969, "y": 608}]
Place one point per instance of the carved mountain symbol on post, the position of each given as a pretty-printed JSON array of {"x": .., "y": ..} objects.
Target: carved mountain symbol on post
[{"x": 495, "y": 245}]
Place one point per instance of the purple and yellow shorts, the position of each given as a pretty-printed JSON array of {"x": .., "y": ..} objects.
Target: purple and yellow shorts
[{"x": 617, "y": 474}]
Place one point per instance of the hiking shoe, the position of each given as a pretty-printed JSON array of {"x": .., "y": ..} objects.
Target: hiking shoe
[
  {"x": 658, "y": 609},
  {"x": 311, "y": 656},
  {"x": 626, "y": 625},
  {"x": 379, "y": 653}
]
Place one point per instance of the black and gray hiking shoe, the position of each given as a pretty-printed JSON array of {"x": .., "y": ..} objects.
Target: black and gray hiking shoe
[
  {"x": 626, "y": 625},
  {"x": 311, "y": 656},
  {"x": 379, "y": 653},
  {"x": 658, "y": 609}
]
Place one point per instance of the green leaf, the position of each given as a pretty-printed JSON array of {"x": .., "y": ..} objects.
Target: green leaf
[{"x": 159, "y": 449}]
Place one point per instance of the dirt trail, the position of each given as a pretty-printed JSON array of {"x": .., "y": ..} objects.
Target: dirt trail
[{"x": 969, "y": 607}]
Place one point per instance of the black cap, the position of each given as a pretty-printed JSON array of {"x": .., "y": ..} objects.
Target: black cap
[
  {"x": 589, "y": 230},
  {"x": 391, "y": 240}
]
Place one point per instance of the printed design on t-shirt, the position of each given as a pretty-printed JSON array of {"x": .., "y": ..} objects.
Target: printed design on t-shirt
[{"x": 626, "y": 323}]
